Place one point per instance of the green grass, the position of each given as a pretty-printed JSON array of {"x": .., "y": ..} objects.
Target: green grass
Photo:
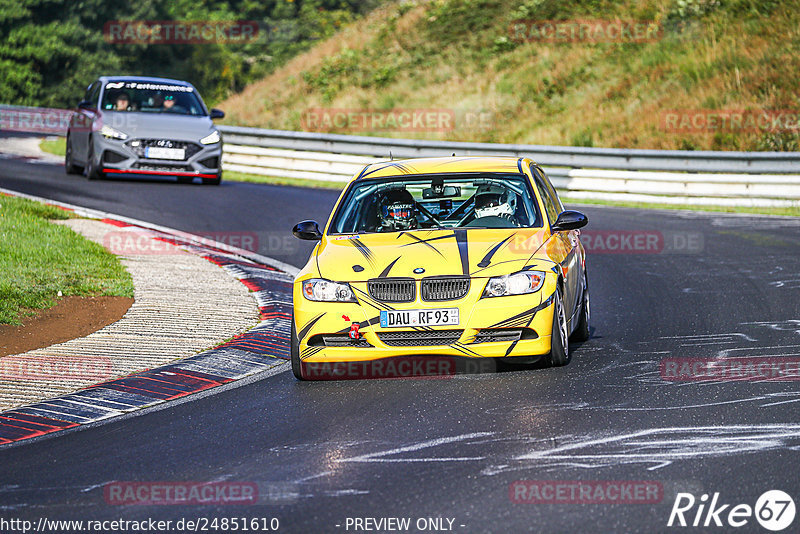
[
  {"x": 461, "y": 55},
  {"x": 54, "y": 146},
  {"x": 275, "y": 180},
  {"x": 38, "y": 259}
]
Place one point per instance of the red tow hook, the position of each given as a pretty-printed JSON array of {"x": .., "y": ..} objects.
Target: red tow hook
[{"x": 354, "y": 331}]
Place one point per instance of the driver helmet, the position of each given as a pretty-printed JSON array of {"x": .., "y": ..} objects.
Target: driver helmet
[
  {"x": 493, "y": 200},
  {"x": 397, "y": 210}
]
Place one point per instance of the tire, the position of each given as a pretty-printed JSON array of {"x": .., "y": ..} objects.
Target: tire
[
  {"x": 559, "y": 344},
  {"x": 294, "y": 351},
  {"x": 213, "y": 181},
  {"x": 92, "y": 173},
  {"x": 581, "y": 332},
  {"x": 69, "y": 164}
]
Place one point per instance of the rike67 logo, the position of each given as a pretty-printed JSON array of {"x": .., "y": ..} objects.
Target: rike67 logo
[{"x": 774, "y": 510}]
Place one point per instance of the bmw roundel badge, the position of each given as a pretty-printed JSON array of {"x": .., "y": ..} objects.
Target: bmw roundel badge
[{"x": 419, "y": 270}]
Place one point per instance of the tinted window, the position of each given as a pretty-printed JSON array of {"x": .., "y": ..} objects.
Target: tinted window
[
  {"x": 151, "y": 97},
  {"x": 550, "y": 204},
  {"x": 92, "y": 92},
  {"x": 552, "y": 190},
  {"x": 407, "y": 203}
]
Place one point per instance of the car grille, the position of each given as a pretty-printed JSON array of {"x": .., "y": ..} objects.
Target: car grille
[
  {"x": 392, "y": 289},
  {"x": 449, "y": 288},
  {"x": 163, "y": 167},
  {"x": 338, "y": 340},
  {"x": 190, "y": 148},
  {"x": 429, "y": 338}
]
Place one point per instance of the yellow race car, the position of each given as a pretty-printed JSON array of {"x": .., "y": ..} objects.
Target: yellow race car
[{"x": 440, "y": 257}]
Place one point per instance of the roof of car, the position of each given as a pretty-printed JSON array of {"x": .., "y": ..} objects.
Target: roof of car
[
  {"x": 143, "y": 79},
  {"x": 445, "y": 165}
]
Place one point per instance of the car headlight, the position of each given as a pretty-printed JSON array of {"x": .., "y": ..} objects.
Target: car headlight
[
  {"x": 211, "y": 138},
  {"x": 514, "y": 284},
  {"x": 320, "y": 290},
  {"x": 111, "y": 133}
]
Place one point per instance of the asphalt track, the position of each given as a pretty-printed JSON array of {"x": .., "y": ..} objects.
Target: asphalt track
[{"x": 324, "y": 452}]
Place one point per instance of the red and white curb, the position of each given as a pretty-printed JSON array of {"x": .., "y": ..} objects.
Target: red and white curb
[{"x": 263, "y": 348}]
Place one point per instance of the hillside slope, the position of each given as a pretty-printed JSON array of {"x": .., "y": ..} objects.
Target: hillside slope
[{"x": 490, "y": 65}]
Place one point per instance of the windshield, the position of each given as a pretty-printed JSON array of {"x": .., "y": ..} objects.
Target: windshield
[
  {"x": 151, "y": 98},
  {"x": 438, "y": 202}
]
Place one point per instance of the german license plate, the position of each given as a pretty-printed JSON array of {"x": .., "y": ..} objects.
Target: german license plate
[
  {"x": 433, "y": 317},
  {"x": 159, "y": 152}
]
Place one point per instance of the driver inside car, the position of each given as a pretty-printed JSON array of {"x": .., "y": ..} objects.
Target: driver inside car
[
  {"x": 494, "y": 206},
  {"x": 122, "y": 103},
  {"x": 396, "y": 211}
]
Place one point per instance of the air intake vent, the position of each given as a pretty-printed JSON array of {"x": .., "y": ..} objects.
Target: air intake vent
[
  {"x": 445, "y": 288},
  {"x": 338, "y": 340},
  {"x": 490, "y": 335},
  {"x": 211, "y": 163},
  {"x": 110, "y": 156},
  {"x": 430, "y": 338},
  {"x": 392, "y": 289}
]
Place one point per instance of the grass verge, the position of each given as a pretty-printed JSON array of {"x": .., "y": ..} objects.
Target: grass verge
[
  {"x": 38, "y": 259},
  {"x": 54, "y": 146},
  {"x": 489, "y": 66}
]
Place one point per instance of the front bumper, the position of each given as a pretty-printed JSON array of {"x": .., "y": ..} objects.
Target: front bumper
[
  {"x": 117, "y": 157},
  {"x": 487, "y": 327}
]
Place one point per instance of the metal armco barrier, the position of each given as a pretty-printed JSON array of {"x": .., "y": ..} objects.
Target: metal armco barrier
[{"x": 664, "y": 176}]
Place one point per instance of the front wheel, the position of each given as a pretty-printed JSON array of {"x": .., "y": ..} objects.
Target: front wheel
[
  {"x": 294, "y": 352},
  {"x": 559, "y": 344},
  {"x": 69, "y": 163},
  {"x": 92, "y": 172}
]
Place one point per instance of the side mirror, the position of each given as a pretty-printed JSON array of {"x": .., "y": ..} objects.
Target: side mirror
[
  {"x": 216, "y": 113},
  {"x": 84, "y": 104},
  {"x": 570, "y": 220},
  {"x": 308, "y": 230}
]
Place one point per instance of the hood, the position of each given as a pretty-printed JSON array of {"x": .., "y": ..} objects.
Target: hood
[
  {"x": 476, "y": 252},
  {"x": 159, "y": 125}
]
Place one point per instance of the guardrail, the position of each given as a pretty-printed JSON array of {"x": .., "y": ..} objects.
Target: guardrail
[{"x": 663, "y": 176}]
